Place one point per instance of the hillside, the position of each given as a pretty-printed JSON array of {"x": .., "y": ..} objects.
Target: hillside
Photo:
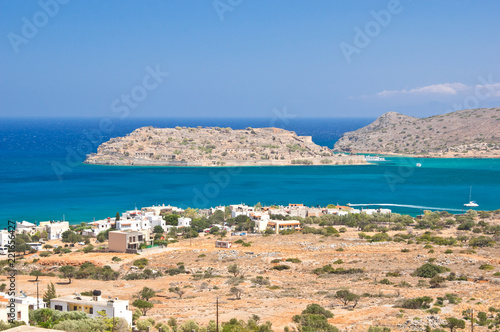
[
  {"x": 467, "y": 133},
  {"x": 181, "y": 146}
]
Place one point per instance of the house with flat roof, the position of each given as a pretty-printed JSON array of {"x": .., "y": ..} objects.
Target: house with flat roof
[
  {"x": 282, "y": 225},
  {"x": 92, "y": 305},
  {"x": 55, "y": 229},
  {"x": 30, "y": 301},
  {"x": 9, "y": 309},
  {"x": 128, "y": 241},
  {"x": 183, "y": 222},
  {"x": 25, "y": 227}
]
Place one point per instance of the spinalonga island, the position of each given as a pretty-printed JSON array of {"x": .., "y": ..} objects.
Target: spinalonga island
[{"x": 215, "y": 146}]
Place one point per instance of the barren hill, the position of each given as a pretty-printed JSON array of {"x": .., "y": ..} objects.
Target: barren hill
[
  {"x": 181, "y": 146},
  {"x": 467, "y": 133}
]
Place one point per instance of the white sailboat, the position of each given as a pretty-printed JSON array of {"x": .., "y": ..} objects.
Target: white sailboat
[{"x": 471, "y": 202}]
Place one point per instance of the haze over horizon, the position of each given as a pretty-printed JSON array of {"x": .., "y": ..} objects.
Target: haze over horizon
[{"x": 247, "y": 58}]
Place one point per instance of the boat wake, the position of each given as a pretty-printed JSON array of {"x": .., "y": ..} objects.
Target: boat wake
[{"x": 408, "y": 206}]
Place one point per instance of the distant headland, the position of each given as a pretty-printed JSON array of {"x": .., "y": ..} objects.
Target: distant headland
[
  {"x": 463, "y": 134},
  {"x": 215, "y": 146}
]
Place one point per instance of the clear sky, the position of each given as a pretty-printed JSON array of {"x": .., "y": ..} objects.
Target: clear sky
[{"x": 244, "y": 58}]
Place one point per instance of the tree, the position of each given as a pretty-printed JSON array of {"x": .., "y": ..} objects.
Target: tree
[
  {"x": 234, "y": 269},
  {"x": 190, "y": 213},
  {"x": 189, "y": 326},
  {"x": 316, "y": 309},
  {"x": 428, "y": 270},
  {"x": 20, "y": 244},
  {"x": 101, "y": 237},
  {"x": 314, "y": 318},
  {"x": 143, "y": 324},
  {"x": 68, "y": 271},
  {"x": 117, "y": 217},
  {"x": 214, "y": 230},
  {"x": 177, "y": 290},
  {"x": 88, "y": 249},
  {"x": 453, "y": 323},
  {"x": 50, "y": 293},
  {"x": 345, "y": 296},
  {"x": 146, "y": 293},
  {"x": 258, "y": 206},
  {"x": 158, "y": 229},
  {"x": 143, "y": 305},
  {"x": 236, "y": 292},
  {"x": 36, "y": 273},
  {"x": 70, "y": 236},
  {"x": 171, "y": 219}
]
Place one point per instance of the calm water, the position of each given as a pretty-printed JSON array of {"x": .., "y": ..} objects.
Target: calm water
[{"x": 41, "y": 176}]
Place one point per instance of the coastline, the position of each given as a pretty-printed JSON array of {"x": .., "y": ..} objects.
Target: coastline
[{"x": 389, "y": 154}]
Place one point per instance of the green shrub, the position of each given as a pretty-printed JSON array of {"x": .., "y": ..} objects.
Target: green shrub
[
  {"x": 486, "y": 267},
  {"x": 141, "y": 262},
  {"x": 281, "y": 267},
  {"x": 415, "y": 303},
  {"x": 116, "y": 259},
  {"x": 294, "y": 260},
  {"x": 328, "y": 269},
  {"x": 393, "y": 274},
  {"x": 429, "y": 270},
  {"x": 448, "y": 251},
  {"x": 405, "y": 250},
  {"x": 434, "y": 310}
]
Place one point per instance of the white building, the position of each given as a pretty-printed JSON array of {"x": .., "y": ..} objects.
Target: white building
[
  {"x": 261, "y": 225},
  {"x": 30, "y": 301},
  {"x": 184, "y": 222},
  {"x": 5, "y": 238},
  {"x": 240, "y": 209},
  {"x": 25, "y": 227},
  {"x": 12, "y": 310},
  {"x": 91, "y": 305},
  {"x": 55, "y": 229}
]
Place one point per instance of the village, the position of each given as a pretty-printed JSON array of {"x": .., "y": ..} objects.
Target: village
[{"x": 251, "y": 258}]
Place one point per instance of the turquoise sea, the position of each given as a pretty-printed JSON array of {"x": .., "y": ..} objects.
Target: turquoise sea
[{"x": 42, "y": 178}]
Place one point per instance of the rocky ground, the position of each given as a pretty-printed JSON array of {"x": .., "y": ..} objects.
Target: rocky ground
[{"x": 290, "y": 291}]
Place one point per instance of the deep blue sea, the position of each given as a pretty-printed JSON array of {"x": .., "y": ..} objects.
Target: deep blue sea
[{"x": 42, "y": 177}]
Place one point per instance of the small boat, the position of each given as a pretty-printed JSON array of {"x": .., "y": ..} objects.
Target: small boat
[
  {"x": 471, "y": 202},
  {"x": 419, "y": 165},
  {"x": 374, "y": 158}
]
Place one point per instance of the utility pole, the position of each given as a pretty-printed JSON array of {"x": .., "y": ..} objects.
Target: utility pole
[
  {"x": 217, "y": 313},
  {"x": 472, "y": 320},
  {"x": 37, "y": 300}
]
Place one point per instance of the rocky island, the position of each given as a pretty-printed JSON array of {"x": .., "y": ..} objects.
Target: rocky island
[
  {"x": 462, "y": 134},
  {"x": 214, "y": 146}
]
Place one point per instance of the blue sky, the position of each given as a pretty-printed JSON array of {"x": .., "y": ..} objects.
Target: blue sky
[{"x": 241, "y": 58}]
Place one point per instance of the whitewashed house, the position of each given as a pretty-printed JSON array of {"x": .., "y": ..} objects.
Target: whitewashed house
[
  {"x": 91, "y": 305},
  {"x": 184, "y": 222}
]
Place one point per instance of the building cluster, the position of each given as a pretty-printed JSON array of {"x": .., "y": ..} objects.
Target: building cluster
[{"x": 131, "y": 229}]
